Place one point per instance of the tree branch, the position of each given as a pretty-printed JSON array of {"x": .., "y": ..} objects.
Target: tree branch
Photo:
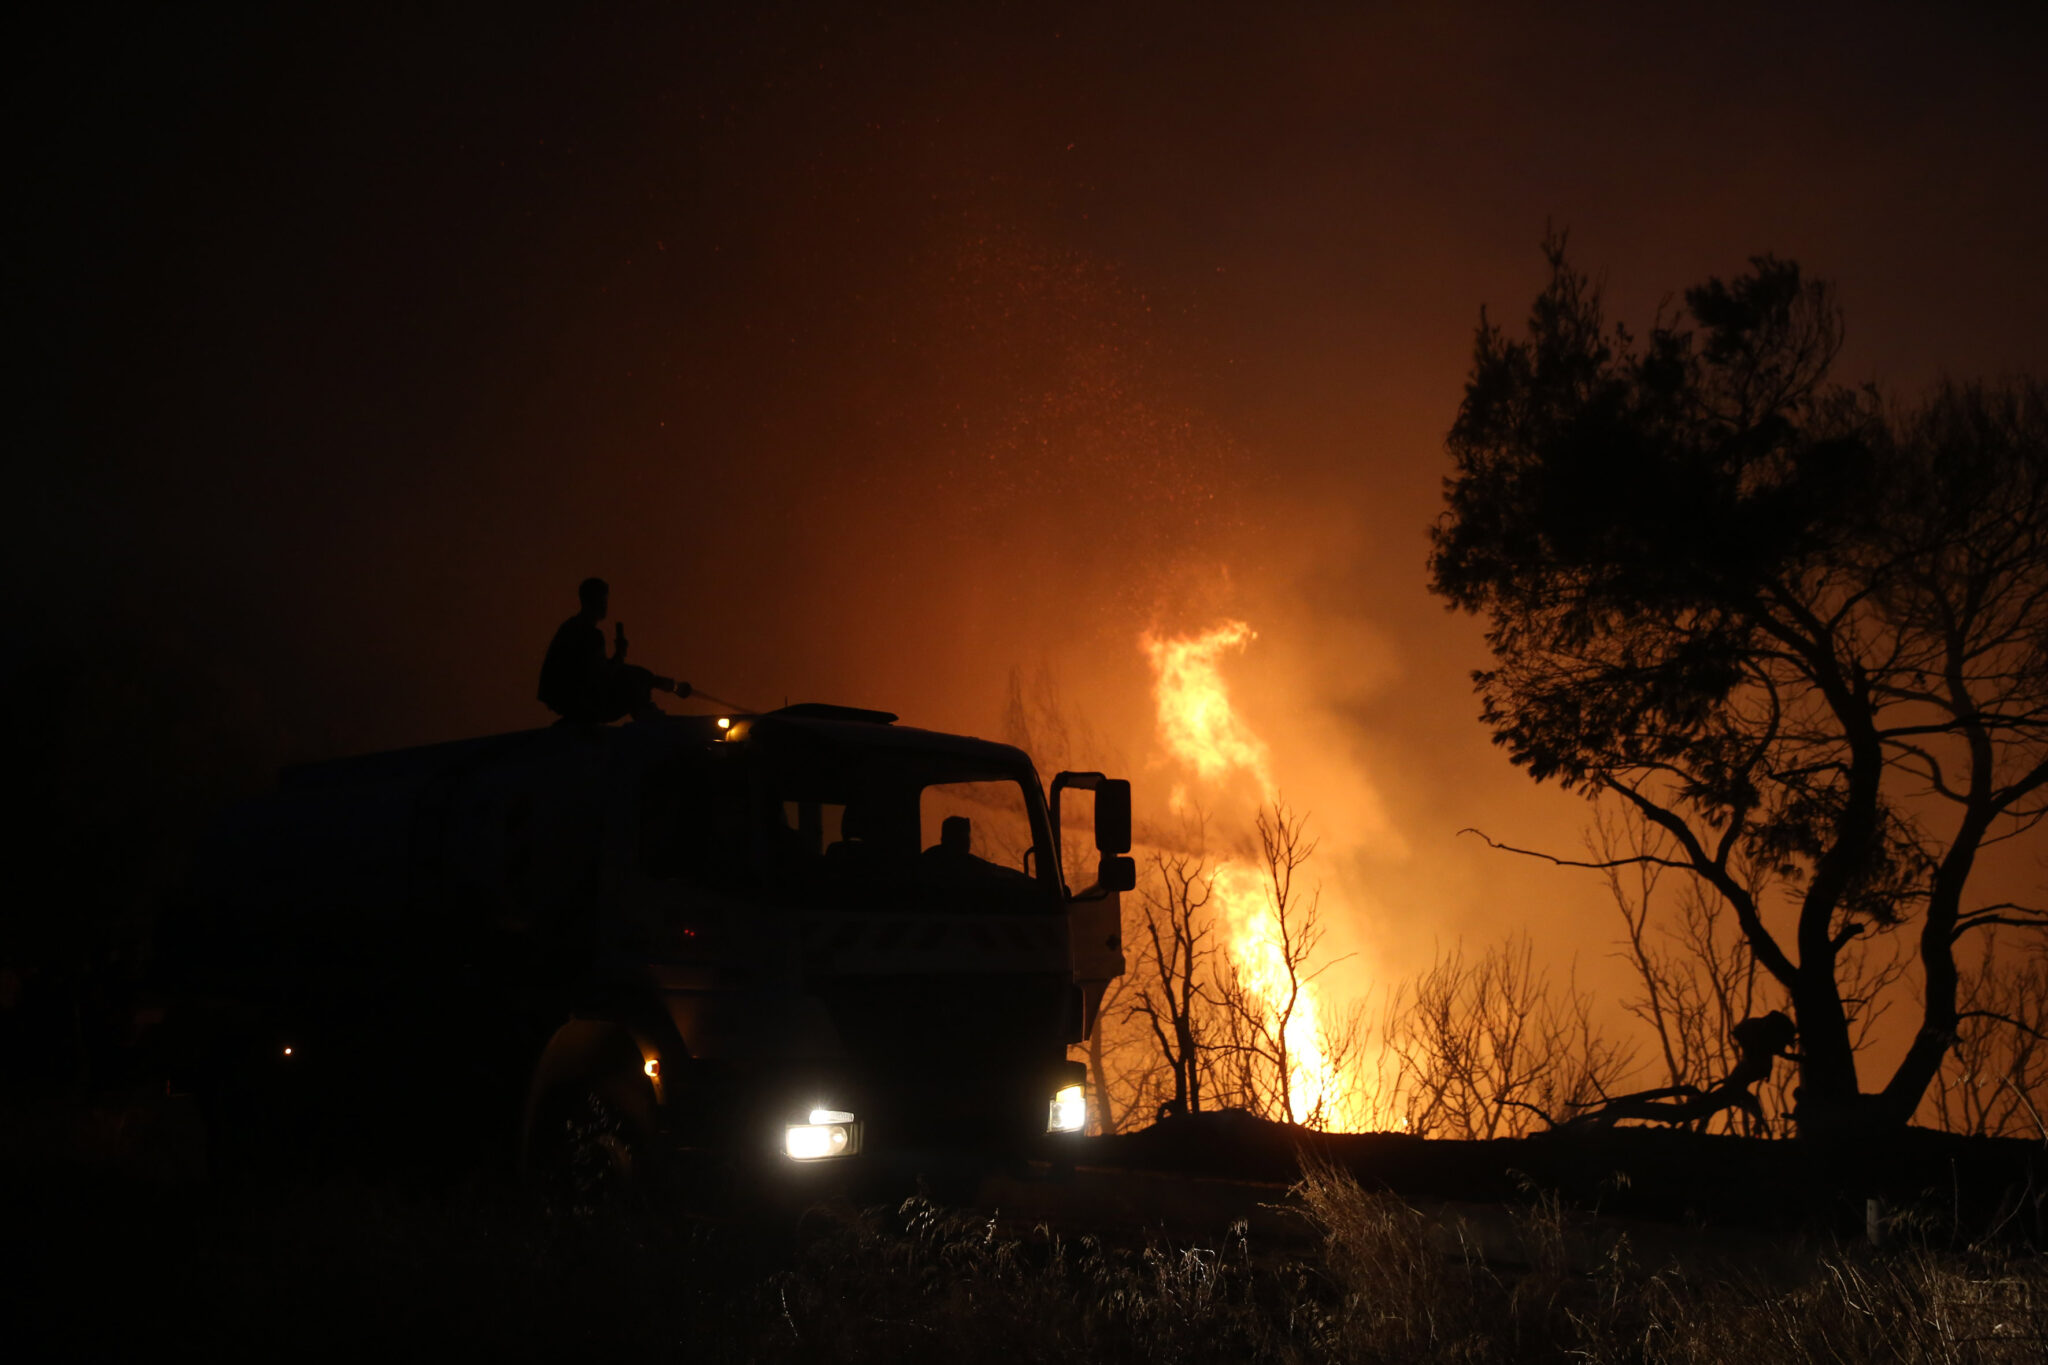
[
  {"x": 1638, "y": 860},
  {"x": 2003, "y": 1019}
]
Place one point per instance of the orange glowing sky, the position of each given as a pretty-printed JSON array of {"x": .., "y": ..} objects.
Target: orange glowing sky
[{"x": 873, "y": 352}]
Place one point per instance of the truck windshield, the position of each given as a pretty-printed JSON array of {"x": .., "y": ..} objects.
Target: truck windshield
[{"x": 890, "y": 829}]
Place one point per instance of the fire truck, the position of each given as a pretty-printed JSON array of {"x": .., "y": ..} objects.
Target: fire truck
[{"x": 809, "y": 936}]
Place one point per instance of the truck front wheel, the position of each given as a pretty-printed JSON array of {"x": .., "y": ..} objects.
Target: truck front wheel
[
  {"x": 589, "y": 1146},
  {"x": 590, "y": 1118}
]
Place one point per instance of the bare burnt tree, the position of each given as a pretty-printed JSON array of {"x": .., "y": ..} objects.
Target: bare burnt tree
[
  {"x": 1995, "y": 1081},
  {"x": 1434, "y": 1042},
  {"x": 1125, "y": 1079},
  {"x": 1697, "y": 977},
  {"x": 1801, "y": 635},
  {"x": 1695, "y": 983},
  {"x": 1261, "y": 999},
  {"x": 1175, "y": 964},
  {"x": 1485, "y": 1049}
]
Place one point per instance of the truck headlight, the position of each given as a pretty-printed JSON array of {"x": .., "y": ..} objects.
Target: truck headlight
[
  {"x": 1069, "y": 1112},
  {"x": 829, "y": 1133}
]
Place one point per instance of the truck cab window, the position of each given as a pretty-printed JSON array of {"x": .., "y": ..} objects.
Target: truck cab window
[{"x": 895, "y": 835}]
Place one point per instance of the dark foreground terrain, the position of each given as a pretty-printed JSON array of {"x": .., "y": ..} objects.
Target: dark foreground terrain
[{"x": 1218, "y": 1239}]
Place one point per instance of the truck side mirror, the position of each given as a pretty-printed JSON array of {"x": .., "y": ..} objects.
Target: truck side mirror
[
  {"x": 1116, "y": 873},
  {"x": 1112, "y": 829},
  {"x": 1113, "y": 819}
]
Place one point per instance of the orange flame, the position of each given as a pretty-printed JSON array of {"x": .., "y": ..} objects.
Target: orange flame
[
  {"x": 1200, "y": 728},
  {"x": 1196, "y": 721},
  {"x": 1316, "y": 1093}
]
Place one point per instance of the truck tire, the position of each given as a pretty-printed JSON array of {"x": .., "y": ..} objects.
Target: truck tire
[
  {"x": 589, "y": 1138},
  {"x": 602, "y": 1155}
]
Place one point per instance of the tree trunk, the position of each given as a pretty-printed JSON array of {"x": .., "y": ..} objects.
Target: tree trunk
[
  {"x": 1937, "y": 1033},
  {"x": 1830, "y": 1100},
  {"x": 1187, "y": 1076}
]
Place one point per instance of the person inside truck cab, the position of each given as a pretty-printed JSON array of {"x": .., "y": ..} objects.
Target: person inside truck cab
[
  {"x": 953, "y": 856},
  {"x": 579, "y": 682}
]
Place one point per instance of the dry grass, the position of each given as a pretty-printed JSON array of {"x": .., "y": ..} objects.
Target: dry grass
[
  {"x": 1403, "y": 1300},
  {"x": 342, "y": 1268},
  {"x": 1390, "y": 1284}
]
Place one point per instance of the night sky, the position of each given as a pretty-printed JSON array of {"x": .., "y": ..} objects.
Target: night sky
[{"x": 876, "y": 352}]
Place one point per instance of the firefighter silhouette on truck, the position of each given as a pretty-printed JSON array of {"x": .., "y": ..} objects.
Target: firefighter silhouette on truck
[{"x": 579, "y": 682}]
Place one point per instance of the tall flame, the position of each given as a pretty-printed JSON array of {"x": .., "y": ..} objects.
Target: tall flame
[
  {"x": 1196, "y": 721},
  {"x": 1200, "y": 728},
  {"x": 1316, "y": 1093}
]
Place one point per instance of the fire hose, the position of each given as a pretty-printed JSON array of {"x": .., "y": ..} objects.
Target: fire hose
[{"x": 684, "y": 690}]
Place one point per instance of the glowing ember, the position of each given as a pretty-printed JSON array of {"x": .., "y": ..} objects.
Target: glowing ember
[{"x": 1199, "y": 728}]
